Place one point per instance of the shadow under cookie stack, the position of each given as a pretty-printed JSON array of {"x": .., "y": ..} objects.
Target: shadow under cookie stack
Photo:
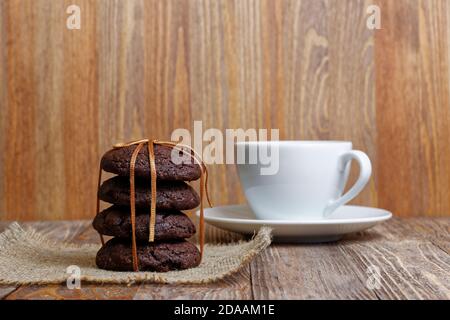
[{"x": 170, "y": 250}]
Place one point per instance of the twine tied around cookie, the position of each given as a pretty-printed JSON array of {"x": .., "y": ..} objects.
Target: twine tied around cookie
[{"x": 151, "y": 154}]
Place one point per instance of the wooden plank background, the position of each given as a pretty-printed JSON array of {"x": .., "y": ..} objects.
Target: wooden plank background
[
  {"x": 412, "y": 257},
  {"x": 413, "y": 107},
  {"x": 142, "y": 68}
]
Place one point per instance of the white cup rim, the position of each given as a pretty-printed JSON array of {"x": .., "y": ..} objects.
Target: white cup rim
[{"x": 293, "y": 142}]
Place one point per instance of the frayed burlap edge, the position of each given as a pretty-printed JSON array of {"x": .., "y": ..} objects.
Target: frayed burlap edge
[{"x": 28, "y": 257}]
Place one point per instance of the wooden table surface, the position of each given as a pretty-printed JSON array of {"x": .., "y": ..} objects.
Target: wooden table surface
[{"x": 410, "y": 255}]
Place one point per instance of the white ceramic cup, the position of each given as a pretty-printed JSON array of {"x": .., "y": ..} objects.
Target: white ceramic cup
[{"x": 310, "y": 180}]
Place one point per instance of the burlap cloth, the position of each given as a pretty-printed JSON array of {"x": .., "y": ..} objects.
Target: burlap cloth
[{"x": 28, "y": 257}]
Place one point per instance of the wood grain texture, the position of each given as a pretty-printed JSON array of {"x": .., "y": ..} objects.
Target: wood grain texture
[
  {"x": 436, "y": 231},
  {"x": 80, "y": 118},
  {"x": 236, "y": 287},
  {"x": 409, "y": 258},
  {"x": 413, "y": 109},
  {"x": 61, "y": 292},
  {"x": 318, "y": 272},
  {"x": 409, "y": 269},
  {"x": 409, "y": 264},
  {"x": 407, "y": 252},
  {"x": 352, "y": 111},
  {"x": 20, "y": 110},
  {"x": 142, "y": 68},
  {"x": 3, "y": 103},
  {"x": 48, "y": 56}
]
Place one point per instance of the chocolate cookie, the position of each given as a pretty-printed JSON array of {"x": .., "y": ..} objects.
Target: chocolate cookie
[
  {"x": 161, "y": 257},
  {"x": 116, "y": 221},
  {"x": 118, "y": 161},
  {"x": 169, "y": 195}
]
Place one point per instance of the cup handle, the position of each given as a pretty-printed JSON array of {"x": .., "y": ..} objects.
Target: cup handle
[{"x": 365, "y": 170}]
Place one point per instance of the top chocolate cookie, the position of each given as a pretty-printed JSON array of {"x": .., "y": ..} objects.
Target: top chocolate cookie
[{"x": 118, "y": 161}]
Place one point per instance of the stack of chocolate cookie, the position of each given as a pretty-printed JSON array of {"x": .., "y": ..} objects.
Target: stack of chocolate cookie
[{"x": 170, "y": 250}]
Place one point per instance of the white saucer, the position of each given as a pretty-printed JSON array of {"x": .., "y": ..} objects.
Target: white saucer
[{"x": 346, "y": 219}]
